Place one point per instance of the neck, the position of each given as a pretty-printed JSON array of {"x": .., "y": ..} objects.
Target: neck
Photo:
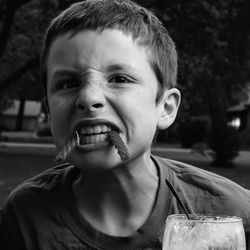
[{"x": 120, "y": 200}]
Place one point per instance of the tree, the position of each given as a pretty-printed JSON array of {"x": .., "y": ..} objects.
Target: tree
[
  {"x": 212, "y": 39},
  {"x": 22, "y": 25}
]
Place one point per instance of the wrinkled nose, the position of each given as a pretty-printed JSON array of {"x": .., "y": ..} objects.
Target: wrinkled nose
[{"x": 91, "y": 97}]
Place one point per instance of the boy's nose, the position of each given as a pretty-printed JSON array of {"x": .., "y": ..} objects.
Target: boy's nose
[{"x": 90, "y": 98}]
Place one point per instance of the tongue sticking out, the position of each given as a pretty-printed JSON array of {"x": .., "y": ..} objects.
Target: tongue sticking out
[
  {"x": 119, "y": 145},
  {"x": 75, "y": 141}
]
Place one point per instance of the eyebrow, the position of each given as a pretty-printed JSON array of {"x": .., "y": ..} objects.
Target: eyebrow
[
  {"x": 74, "y": 73},
  {"x": 62, "y": 72},
  {"x": 117, "y": 67}
]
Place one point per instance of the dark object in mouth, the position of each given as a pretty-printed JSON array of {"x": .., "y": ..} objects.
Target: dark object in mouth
[{"x": 119, "y": 145}]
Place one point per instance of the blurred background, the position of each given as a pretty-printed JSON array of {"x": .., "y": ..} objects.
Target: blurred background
[{"x": 213, "y": 44}]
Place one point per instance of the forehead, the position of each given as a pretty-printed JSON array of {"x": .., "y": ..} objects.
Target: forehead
[{"x": 97, "y": 50}]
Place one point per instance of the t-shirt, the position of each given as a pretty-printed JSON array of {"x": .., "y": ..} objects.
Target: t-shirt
[{"x": 40, "y": 213}]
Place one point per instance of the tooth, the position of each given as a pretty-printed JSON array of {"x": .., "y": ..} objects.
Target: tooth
[
  {"x": 97, "y": 129},
  {"x": 83, "y": 130},
  {"x": 104, "y": 128},
  {"x": 83, "y": 141},
  {"x": 90, "y": 130},
  {"x": 102, "y": 137},
  {"x": 95, "y": 138},
  {"x": 87, "y": 140}
]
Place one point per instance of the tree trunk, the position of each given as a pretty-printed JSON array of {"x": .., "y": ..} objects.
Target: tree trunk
[{"x": 20, "y": 115}]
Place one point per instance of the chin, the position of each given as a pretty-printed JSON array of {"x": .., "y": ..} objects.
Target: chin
[{"x": 95, "y": 161}]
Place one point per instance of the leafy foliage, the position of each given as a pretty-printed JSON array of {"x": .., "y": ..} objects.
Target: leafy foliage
[
  {"x": 194, "y": 131},
  {"x": 225, "y": 141},
  {"x": 212, "y": 38},
  {"x": 20, "y": 45}
]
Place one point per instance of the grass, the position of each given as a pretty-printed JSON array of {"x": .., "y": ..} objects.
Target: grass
[{"x": 17, "y": 165}]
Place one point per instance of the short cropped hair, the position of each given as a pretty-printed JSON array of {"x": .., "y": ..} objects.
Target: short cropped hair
[{"x": 124, "y": 15}]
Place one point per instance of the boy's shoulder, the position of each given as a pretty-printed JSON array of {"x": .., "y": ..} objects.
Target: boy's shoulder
[
  {"x": 207, "y": 192},
  {"x": 45, "y": 182},
  {"x": 199, "y": 178},
  {"x": 48, "y": 177},
  {"x": 202, "y": 184},
  {"x": 191, "y": 174}
]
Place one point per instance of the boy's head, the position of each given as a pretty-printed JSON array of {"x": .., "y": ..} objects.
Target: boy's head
[
  {"x": 104, "y": 65},
  {"x": 123, "y": 15}
]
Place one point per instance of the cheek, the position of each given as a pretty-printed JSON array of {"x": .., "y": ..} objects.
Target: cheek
[
  {"x": 59, "y": 106},
  {"x": 59, "y": 115},
  {"x": 141, "y": 115},
  {"x": 56, "y": 110}
]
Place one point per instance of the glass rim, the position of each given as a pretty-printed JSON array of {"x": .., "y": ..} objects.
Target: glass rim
[{"x": 198, "y": 218}]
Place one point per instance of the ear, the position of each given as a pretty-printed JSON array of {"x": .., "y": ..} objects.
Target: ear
[{"x": 169, "y": 105}]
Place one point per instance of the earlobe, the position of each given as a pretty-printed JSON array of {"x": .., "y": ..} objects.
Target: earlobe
[{"x": 169, "y": 108}]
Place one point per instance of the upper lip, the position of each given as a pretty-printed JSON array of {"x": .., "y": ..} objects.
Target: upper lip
[{"x": 95, "y": 122}]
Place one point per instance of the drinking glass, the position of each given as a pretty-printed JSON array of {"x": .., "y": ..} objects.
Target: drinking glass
[{"x": 203, "y": 232}]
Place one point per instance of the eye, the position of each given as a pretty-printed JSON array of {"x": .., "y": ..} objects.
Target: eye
[
  {"x": 69, "y": 84},
  {"x": 120, "y": 79}
]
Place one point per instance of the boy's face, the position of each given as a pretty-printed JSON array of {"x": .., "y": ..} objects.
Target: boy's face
[{"x": 99, "y": 82}]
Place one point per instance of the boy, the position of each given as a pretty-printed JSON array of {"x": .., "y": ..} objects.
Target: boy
[{"x": 109, "y": 71}]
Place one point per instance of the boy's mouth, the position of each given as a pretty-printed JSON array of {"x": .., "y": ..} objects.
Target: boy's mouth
[{"x": 93, "y": 134}]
